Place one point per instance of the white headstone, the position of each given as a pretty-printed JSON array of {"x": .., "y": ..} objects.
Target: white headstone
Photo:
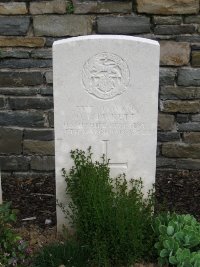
[{"x": 106, "y": 97}]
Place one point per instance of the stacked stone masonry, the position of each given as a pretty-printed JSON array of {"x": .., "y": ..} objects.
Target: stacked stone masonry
[{"x": 27, "y": 31}]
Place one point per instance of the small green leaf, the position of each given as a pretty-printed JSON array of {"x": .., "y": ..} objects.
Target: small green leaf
[
  {"x": 170, "y": 230},
  {"x": 164, "y": 253},
  {"x": 173, "y": 260}
]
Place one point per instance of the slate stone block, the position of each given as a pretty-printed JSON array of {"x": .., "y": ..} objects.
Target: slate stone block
[
  {"x": 10, "y": 140},
  {"x": 174, "y": 29},
  {"x": 123, "y": 24},
  {"x": 43, "y": 163},
  {"x": 14, "y": 53},
  {"x": 22, "y": 41},
  {"x": 167, "y": 7},
  {"x": 30, "y": 103},
  {"x": 189, "y": 127},
  {"x": 38, "y": 147},
  {"x": 181, "y": 150},
  {"x": 14, "y": 163},
  {"x": 14, "y": 25},
  {"x": 165, "y": 122},
  {"x": 19, "y": 91},
  {"x": 167, "y": 20},
  {"x": 168, "y": 136},
  {"x": 22, "y": 118},
  {"x": 167, "y": 76},
  {"x": 63, "y": 25},
  {"x": 180, "y": 106},
  {"x": 42, "y": 135},
  {"x": 8, "y": 78},
  {"x": 189, "y": 77},
  {"x": 25, "y": 63},
  {"x": 184, "y": 93},
  {"x": 188, "y": 164},
  {"x": 192, "y": 137}
]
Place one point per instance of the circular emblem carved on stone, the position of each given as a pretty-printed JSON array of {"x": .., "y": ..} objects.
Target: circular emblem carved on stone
[{"x": 105, "y": 76}]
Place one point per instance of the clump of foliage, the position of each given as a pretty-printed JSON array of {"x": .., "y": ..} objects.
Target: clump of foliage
[
  {"x": 70, "y": 7},
  {"x": 14, "y": 250},
  {"x": 178, "y": 240},
  {"x": 110, "y": 216},
  {"x": 67, "y": 254}
]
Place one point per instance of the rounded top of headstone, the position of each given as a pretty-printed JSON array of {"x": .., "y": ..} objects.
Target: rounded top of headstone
[{"x": 106, "y": 37}]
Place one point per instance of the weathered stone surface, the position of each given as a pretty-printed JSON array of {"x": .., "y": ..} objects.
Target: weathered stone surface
[
  {"x": 195, "y": 46},
  {"x": 51, "y": 118},
  {"x": 168, "y": 136},
  {"x": 189, "y": 77},
  {"x": 2, "y": 102},
  {"x": 174, "y": 29},
  {"x": 22, "y": 41},
  {"x": 51, "y": 40},
  {"x": 22, "y": 118},
  {"x": 192, "y": 137},
  {"x": 48, "y": 90},
  {"x": 165, "y": 163},
  {"x": 18, "y": 91},
  {"x": 195, "y": 38},
  {"x": 14, "y": 53},
  {"x": 25, "y": 63},
  {"x": 10, "y": 140},
  {"x": 196, "y": 117},
  {"x": 30, "y": 102},
  {"x": 188, "y": 164},
  {"x": 196, "y": 58},
  {"x": 192, "y": 19},
  {"x": 8, "y": 78},
  {"x": 47, "y": 7},
  {"x": 189, "y": 127},
  {"x": 14, "y": 163},
  {"x": 182, "y": 118},
  {"x": 42, "y": 53},
  {"x": 180, "y": 106},
  {"x": 174, "y": 54},
  {"x": 181, "y": 150},
  {"x": 13, "y": 8},
  {"x": 172, "y": 92},
  {"x": 167, "y": 76},
  {"x": 86, "y": 7},
  {"x": 38, "y": 147},
  {"x": 14, "y": 25},
  {"x": 64, "y": 25},
  {"x": 42, "y": 135},
  {"x": 167, "y": 20},
  {"x": 165, "y": 122},
  {"x": 49, "y": 77},
  {"x": 167, "y": 7},
  {"x": 45, "y": 163},
  {"x": 123, "y": 24}
]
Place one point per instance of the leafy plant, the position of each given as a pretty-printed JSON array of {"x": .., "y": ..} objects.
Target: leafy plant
[
  {"x": 110, "y": 216},
  {"x": 70, "y": 7},
  {"x": 179, "y": 240},
  {"x": 66, "y": 254},
  {"x": 14, "y": 250}
]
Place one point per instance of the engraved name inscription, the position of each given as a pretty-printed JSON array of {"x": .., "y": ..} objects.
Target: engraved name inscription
[
  {"x": 105, "y": 76},
  {"x": 115, "y": 120}
]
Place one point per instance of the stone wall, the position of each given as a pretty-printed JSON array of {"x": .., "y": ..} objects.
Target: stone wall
[{"x": 27, "y": 31}]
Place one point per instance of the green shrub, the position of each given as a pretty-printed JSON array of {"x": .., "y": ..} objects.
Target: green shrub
[
  {"x": 69, "y": 254},
  {"x": 179, "y": 240},
  {"x": 110, "y": 216},
  {"x": 13, "y": 250}
]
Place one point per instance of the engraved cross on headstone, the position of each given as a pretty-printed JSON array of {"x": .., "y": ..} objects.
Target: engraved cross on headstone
[{"x": 114, "y": 165}]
